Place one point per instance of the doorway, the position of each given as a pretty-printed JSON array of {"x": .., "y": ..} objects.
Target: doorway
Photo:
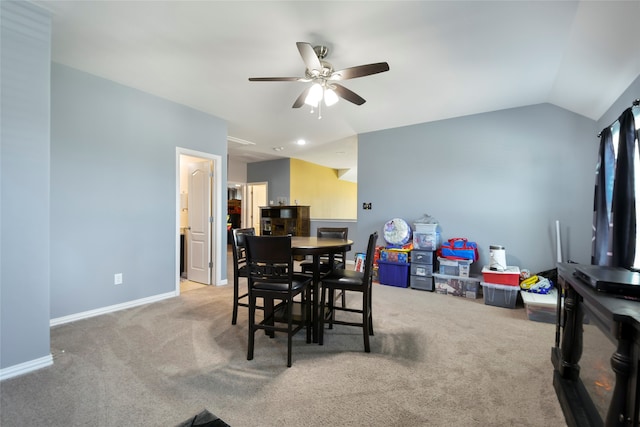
[
  {"x": 199, "y": 217},
  {"x": 257, "y": 193}
]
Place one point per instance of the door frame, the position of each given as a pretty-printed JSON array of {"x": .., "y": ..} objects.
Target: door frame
[
  {"x": 216, "y": 212},
  {"x": 243, "y": 201},
  {"x": 252, "y": 205}
]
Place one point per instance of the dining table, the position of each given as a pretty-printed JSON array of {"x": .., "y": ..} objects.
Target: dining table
[{"x": 317, "y": 247}]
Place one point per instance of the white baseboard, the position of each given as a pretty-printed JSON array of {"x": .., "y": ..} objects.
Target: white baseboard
[
  {"x": 110, "y": 309},
  {"x": 26, "y": 367}
]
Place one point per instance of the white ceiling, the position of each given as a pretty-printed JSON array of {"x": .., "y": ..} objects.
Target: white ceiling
[{"x": 447, "y": 59}]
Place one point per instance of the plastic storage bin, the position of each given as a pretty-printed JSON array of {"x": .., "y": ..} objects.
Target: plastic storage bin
[
  {"x": 425, "y": 228},
  {"x": 511, "y": 276},
  {"x": 468, "y": 287},
  {"x": 541, "y": 307},
  {"x": 393, "y": 273},
  {"x": 500, "y": 295},
  {"x": 426, "y": 241},
  {"x": 421, "y": 269},
  {"x": 422, "y": 283},
  {"x": 454, "y": 267},
  {"x": 422, "y": 257}
]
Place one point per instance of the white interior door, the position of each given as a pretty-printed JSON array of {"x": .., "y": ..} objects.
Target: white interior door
[
  {"x": 199, "y": 265},
  {"x": 257, "y": 193}
]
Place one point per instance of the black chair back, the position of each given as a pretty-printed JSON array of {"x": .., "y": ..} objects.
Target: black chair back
[
  {"x": 368, "y": 262},
  {"x": 334, "y": 232},
  {"x": 270, "y": 259},
  {"x": 327, "y": 263},
  {"x": 240, "y": 268},
  {"x": 238, "y": 246}
]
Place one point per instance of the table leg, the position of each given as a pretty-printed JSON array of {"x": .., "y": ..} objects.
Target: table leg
[{"x": 315, "y": 321}]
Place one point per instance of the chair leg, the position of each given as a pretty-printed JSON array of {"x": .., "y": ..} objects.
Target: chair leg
[
  {"x": 269, "y": 306},
  {"x": 370, "y": 312},
  {"x": 289, "y": 329},
  {"x": 365, "y": 322},
  {"x": 234, "y": 318},
  {"x": 306, "y": 295},
  {"x": 322, "y": 316},
  {"x": 252, "y": 330},
  {"x": 332, "y": 299}
]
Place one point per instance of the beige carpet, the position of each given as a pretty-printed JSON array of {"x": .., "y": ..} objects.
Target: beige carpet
[{"x": 436, "y": 360}]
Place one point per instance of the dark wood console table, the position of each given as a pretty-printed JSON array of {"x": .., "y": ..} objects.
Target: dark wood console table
[{"x": 619, "y": 320}]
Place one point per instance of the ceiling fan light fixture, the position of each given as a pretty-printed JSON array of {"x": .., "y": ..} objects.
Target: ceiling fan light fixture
[
  {"x": 315, "y": 95},
  {"x": 330, "y": 97}
]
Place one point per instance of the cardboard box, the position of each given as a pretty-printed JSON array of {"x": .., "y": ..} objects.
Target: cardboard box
[{"x": 395, "y": 255}]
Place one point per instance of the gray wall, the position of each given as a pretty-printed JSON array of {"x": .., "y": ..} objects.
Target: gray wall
[
  {"x": 625, "y": 101},
  {"x": 497, "y": 178},
  {"x": 278, "y": 175},
  {"x": 113, "y": 189},
  {"x": 24, "y": 176}
]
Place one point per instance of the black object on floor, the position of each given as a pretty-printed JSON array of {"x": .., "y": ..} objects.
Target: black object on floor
[{"x": 203, "y": 419}]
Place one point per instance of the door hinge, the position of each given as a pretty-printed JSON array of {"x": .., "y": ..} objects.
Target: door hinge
[
  {"x": 211, "y": 219},
  {"x": 210, "y": 264}
]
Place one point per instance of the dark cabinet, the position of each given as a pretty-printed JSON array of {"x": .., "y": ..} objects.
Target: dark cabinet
[
  {"x": 596, "y": 356},
  {"x": 283, "y": 220}
]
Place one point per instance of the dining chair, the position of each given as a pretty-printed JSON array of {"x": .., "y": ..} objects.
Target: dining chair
[
  {"x": 339, "y": 260},
  {"x": 329, "y": 262},
  {"x": 350, "y": 281},
  {"x": 240, "y": 268},
  {"x": 271, "y": 277}
]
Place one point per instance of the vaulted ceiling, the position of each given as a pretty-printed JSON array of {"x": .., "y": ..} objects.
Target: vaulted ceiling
[{"x": 447, "y": 59}]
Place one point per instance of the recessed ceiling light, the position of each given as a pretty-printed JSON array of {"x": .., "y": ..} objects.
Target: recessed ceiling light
[{"x": 301, "y": 142}]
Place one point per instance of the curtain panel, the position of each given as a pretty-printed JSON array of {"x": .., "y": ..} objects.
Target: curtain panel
[{"x": 614, "y": 203}]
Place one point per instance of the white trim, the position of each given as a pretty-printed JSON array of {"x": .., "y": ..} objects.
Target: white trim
[
  {"x": 110, "y": 309},
  {"x": 26, "y": 367},
  {"x": 333, "y": 220},
  {"x": 217, "y": 213}
]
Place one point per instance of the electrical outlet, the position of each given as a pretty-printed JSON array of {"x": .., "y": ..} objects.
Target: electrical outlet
[
  {"x": 117, "y": 279},
  {"x": 366, "y": 206}
]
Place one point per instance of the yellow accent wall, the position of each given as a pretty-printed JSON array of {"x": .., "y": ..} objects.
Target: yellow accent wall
[{"x": 320, "y": 188}]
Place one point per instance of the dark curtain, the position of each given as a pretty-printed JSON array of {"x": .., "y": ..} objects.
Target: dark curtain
[
  {"x": 623, "y": 207},
  {"x": 601, "y": 241}
]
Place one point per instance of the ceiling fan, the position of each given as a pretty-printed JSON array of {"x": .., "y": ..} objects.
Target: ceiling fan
[{"x": 324, "y": 78}]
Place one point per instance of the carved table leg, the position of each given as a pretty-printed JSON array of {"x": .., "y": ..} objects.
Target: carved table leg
[
  {"x": 621, "y": 364},
  {"x": 571, "y": 348}
]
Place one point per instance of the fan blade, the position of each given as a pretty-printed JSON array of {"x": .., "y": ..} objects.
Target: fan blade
[
  {"x": 309, "y": 56},
  {"x": 278, "y": 79},
  {"x": 347, "y": 94},
  {"x": 360, "y": 71},
  {"x": 300, "y": 101}
]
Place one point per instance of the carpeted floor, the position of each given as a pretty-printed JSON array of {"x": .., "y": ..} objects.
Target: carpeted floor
[{"x": 436, "y": 360}]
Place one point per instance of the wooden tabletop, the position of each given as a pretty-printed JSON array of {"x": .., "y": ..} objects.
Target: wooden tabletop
[{"x": 318, "y": 245}]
